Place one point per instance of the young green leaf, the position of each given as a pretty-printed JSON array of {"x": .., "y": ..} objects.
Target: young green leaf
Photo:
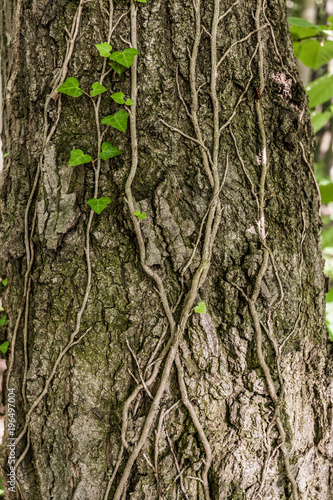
[
  {"x": 5, "y": 155},
  {"x": 104, "y": 49},
  {"x": 118, "y": 121},
  {"x": 5, "y": 282},
  {"x": 4, "y": 347},
  {"x": 118, "y": 97},
  {"x": 78, "y": 157},
  {"x": 3, "y": 321},
  {"x": 98, "y": 204},
  {"x": 140, "y": 215},
  {"x": 143, "y": 1},
  {"x": 70, "y": 87},
  {"x": 129, "y": 102},
  {"x": 109, "y": 151},
  {"x": 201, "y": 308},
  {"x": 125, "y": 58},
  {"x": 117, "y": 67},
  {"x": 97, "y": 89}
]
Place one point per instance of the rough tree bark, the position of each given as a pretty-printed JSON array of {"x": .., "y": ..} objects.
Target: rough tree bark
[{"x": 122, "y": 390}]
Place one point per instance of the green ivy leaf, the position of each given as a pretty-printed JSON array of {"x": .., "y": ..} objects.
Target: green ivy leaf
[
  {"x": 140, "y": 215},
  {"x": 97, "y": 89},
  {"x": 129, "y": 102},
  {"x": 5, "y": 155},
  {"x": 118, "y": 97},
  {"x": 201, "y": 308},
  {"x": 4, "y": 347},
  {"x": 125, "y": 58},
  {"x": 5, "y": 282},
  {"x": 117, "y": 67},
  {"x": 78, "y": 157},
  {"x": 118, "y": 121},
  {"x": 104, "y": 49},
  {"x": 109, "y": 151},
  {"x": 3, "y": 321},
  {"x": 70, "y": 87},
  {"x": 143, "y": 1},
  {"x": 98, "y": 204}
]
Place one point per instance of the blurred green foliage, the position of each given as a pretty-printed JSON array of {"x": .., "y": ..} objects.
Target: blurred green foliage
[{"x": 313, "y": 46}]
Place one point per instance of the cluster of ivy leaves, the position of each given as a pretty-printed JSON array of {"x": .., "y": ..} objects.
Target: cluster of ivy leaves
[
  {"x": 313, "y": 46},
  {"x": 119, "y": 61}
]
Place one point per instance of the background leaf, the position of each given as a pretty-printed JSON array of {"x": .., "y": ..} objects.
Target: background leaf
[
  {"x": 320, "y": 119},
  {"x": 326, "y": 192},
  {"x": 320, "y": 90},
  {"x": 313, "y": 54},
  {"x": 297, "y": 21}
]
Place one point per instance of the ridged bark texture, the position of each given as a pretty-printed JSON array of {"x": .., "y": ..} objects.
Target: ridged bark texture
[{"x": 264, "y": 290}]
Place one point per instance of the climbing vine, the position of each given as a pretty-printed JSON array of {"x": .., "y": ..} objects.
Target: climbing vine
[{"x": 151, "y": 383}]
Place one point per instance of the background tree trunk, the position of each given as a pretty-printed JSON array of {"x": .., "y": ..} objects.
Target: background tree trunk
[{"x": 240, "y": 406}]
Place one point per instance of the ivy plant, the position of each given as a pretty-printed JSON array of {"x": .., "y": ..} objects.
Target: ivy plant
[
  {"x": 78, "y": 157},
  {"x": 119, "y": 60},
  {"x": 3, "y": 321},
  {"x": 118, "y": 120},
  {"x": 140, "y": 215},
  {"x": 4, "y": 347},
  {"x": 70, "y": 87},
  {"x": 201, "y": 308},
  {"x": 98, "y": 204}
]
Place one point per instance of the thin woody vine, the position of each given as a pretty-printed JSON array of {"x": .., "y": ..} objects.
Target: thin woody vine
[{"x": 166, "y": 352}]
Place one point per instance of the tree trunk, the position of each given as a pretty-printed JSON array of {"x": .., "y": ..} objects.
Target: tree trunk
[{"x": 122, "y": 388}]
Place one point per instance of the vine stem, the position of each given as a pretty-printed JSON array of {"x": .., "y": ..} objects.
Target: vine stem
[
  {"x": 190, "y": 408},
  {"x": 263, "y": 268},
  {"x": 200, "y": 274},
  {"x": 72, "y": 341}
]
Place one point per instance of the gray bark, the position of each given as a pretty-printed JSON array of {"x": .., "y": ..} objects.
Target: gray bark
[{"x": 257, "y": 367}]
